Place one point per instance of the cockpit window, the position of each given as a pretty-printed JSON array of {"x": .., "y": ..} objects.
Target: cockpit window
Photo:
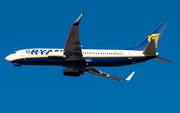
[{"x": 15, "y": 52}]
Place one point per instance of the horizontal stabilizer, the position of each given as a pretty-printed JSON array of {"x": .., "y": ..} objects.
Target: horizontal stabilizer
[
  {"x": 160, "y": 58},
  {"x": 150, "y": 49}
]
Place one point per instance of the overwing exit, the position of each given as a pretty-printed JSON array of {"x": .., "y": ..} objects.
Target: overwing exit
[{"x": 76, "y": 61}]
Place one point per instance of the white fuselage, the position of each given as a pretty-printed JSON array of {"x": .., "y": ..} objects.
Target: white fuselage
[{"x": 95, "y": 57}]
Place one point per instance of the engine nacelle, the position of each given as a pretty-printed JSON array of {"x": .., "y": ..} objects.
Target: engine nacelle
[
  {"x": 72, "y": 72},
  {"x": 54, "y": 56}
]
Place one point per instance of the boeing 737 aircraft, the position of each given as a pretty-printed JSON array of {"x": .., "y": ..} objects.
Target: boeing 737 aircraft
[{"x": 76, "y": 61}]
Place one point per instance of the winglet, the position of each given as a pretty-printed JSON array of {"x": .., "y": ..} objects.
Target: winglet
[
  {"x": 130, "y": 76},
  {"x": 78, "y": 19}
]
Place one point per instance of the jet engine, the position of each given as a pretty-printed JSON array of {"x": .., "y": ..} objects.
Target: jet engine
[{"x": 72, "y": 72}]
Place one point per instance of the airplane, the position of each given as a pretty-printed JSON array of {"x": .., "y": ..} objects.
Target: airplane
[{"x": 76, "y": 61}]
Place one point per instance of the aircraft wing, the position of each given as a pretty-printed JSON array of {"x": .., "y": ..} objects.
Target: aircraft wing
[
  {"x": 72, "y": 48},
  {"x": 103, "y": 74}
]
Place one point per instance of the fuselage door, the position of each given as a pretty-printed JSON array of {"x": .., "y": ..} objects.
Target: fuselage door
[
  {"x": 129, "y": 55},
  {"x": 22, "y": 54}
]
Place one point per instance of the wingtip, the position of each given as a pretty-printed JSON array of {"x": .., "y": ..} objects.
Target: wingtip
[
  {"x": 78, "y": 19},
  {"x": 130, "y": 76}
]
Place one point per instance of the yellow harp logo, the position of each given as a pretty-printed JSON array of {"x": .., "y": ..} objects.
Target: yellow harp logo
[{"x": 155, "y": 37}]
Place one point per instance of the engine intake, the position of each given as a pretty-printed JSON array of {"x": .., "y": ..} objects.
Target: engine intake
[{"x": 72, "y": 72}]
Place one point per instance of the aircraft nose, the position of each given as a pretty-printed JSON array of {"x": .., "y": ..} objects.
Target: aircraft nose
[{"x": 8, "y": 58}]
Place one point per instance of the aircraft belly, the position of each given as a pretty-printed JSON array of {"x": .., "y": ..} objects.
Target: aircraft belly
[{"x": 116, "y": 61}]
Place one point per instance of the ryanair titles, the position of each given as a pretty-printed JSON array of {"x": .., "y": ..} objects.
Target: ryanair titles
[{"x": 42, "y": 51}]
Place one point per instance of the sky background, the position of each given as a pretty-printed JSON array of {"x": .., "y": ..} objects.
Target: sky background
[{"x": 106, "y": 24}]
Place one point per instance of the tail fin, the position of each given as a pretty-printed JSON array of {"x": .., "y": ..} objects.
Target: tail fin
[
  {"x": 149, "y": 45},
  {"x": 156, "y": 35},
  {"x": 151, "y": 50}
]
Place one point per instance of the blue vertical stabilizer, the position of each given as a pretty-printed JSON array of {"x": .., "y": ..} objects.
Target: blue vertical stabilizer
[{"x": 155, "y": 35}]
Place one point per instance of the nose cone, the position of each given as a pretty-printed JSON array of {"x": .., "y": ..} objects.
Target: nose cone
[{"x": 8, "y": 58}]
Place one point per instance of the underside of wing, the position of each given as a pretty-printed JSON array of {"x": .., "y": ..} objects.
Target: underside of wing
[
  {"x": 72, "y": 48},
  {"x": 103, "y": 74}
]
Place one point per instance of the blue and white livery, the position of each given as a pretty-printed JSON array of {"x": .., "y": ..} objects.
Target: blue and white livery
[{"x": 76, "y": 61}]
